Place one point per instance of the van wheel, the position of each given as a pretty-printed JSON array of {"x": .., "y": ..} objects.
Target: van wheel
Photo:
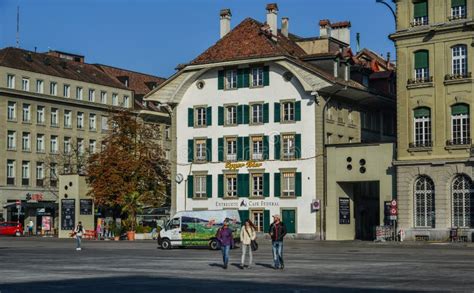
[
  {"x": 213, "y": 244},
  {"x": 165, "y": 244}
]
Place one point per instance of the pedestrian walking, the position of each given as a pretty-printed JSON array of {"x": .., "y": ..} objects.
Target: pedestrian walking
[
  {"x": 98, "y": 230},
  {"x": 78, "y": 232},
  {"x": 226, "y": 240},
  {"x": 247, "y": 235},
  {"x": 30, "y": 228},
  {"x": 277, "y": 231}
]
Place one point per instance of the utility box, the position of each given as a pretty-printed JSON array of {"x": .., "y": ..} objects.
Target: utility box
[{"x": 74, "y": 205}]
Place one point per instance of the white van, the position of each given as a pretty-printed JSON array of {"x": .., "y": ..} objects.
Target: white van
[{"x": 197, "y": 228}]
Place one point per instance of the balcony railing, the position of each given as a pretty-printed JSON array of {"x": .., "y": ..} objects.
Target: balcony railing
[
  {"x": 459, "y": 141},
  {"x": 419, "y": 21},
  {"x": 421, "y": 144},
  {"x": 258, "y": 156},
  {"x": 231, "y": 157},
  {"x": 413, "y": 81},
  {"x": 456, "y": 17}
]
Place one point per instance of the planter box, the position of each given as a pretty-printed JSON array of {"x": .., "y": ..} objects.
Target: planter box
[{"x": 143, "y": 236}]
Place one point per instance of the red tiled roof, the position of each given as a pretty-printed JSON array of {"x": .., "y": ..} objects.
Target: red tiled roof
[
  {"x": 341, "y": 24},
  {"x": 55, "y": 66}
]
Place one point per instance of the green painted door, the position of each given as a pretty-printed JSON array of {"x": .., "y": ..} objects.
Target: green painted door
[{"x": 289, "y": 218}]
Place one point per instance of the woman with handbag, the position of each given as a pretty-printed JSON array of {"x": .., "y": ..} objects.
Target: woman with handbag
[{"x": 247, "y": 238}]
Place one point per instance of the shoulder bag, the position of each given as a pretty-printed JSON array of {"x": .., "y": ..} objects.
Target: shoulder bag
[{"x": 253, "y": 243}]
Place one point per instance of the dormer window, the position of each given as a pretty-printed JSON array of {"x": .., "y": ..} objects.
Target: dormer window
[{"x": 458, "y": 9}]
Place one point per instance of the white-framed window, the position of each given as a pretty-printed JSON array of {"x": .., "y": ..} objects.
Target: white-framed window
[
  {"x": 25, "y": 84},
  {"x": 200, "y": 186},
  {"x": 92, "y": 146},
  {"x": 39, "y": 86},
  {"x": 288, "y": 111},
  {"x": 288, "y": 144},
  {"x": 257, "y": 147},
  {"x": 80, "y": 146},
  {"x": 11, "y": 172},
  {"x": 67, "y": 91},
  {"x": 10, "y": 81},
  {"x": 462, "y": 196},
  {"x": 460, "y": 122},
  {"x": 67, "y": 118},
  {"x": 54, "y": 117},
  {"x": 53, "y": 88},
  {"x": 231, "y": 185},
  {"x": 230, "y": 115},
  {"x": 288, "y": 184},
  {"x": 92, "y": 122},
  {"x": 53, "y": 144},
  {"x": 103, "y": 97},
  {"x": 26, "y": 113},
  {"x": 459, "y": 60},
  {"x": 91, "y": 95},
  {"x": 40, "y": 115},
  {"x": 26, "y": 142},
  {"x": 256, "y": 74},
  {"x": 231, "y": 79},
  {"x": 67, "y": 145},
  {"x": 104, "y": 123},
  {"x": 80, "y": 120},
  {"x": 25, "y": 170},
  {"x": 231, "y": 149},
  {"x": 200, "y": 146},
  {"x": 458, "y": 10},
  {"x": 422, "y": 71},
  {"x": 257, "y": 185},
  {"x": 126, "y": 101},
  {"x": 257, "y": 219},
  {"x": 420, "y": 13},
  {"x": 40, "y": 143},
  {"x": 11, "y": 111},
  {"x": 39, "y": 170},
  {"x": 424, "y": 202},
  {"x": 422, "y": 127},
  {"x": 11, "y": 140},
  {"x": 79, "y": 93},
  {"x": 114, "y": 99},
  {"x": 200, "y": 114},
  {"x": 257, "y": 113}
]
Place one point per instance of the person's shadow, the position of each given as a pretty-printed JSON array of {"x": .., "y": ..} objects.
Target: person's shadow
[
  {"x": 216, "y": 265},
  {"x": 265, "y": 265}
]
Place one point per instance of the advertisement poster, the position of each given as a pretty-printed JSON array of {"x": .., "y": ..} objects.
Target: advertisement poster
[
  {"x": 344, "y": 211},
  {"x": 85, "y": 206},
  {"x": 68, "y": 214},
  {"x": 46, "y": 223}
]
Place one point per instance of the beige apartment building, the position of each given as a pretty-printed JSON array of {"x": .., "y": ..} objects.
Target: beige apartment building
[
  {"x": 52, "y": 104},
  {"x": 434, "y": 42}
]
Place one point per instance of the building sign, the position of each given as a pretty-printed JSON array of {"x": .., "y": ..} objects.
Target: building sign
[
  {"x": 68, "y": 214},
  {"x": 248, "y": 164},
  {"x": 85, "y": 206},
  {"x": 344, "y": 211},
  {"x": 34, "y": 197},
  {"x": 245, "y": 203}
]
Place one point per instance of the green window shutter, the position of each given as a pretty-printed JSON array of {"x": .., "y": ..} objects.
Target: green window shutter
[
  {"x": 246, "y": 148},
  {"x": 190, "y": 150},
  {"x": 240, "y": 148},
  {"x": 298, "y": 111},
  {"x": 420, "y": 9},
  {"x": 220, "y": 79},
  {"x": 209, "y": 186},
  {"x": 209, "y": 116},
  {"x": 456, "y": 3},
  {"x": 246, "y": 110},
  {"x": 246, "y": 79},
  {"x": 266, "y": 75},
  {"x": 190, "y": 186},
  {"x": 240, "y": 78},
  {"x": 209, "y": 149},
  {"x": 298, "y": 187},
  {"x": 243, "y": 185},
  {"x": 220, "y": 149},
  {"x": 190, "y": 117},
  {"x": 240, "y": 114},
  {"x": 459, "y": 109},
  {"x": 266, "y": 113},
  {"x": 244, "y": 216},
  {"x": 266, "y": 221},
  {"x": 277, "y": 185},
  {"x": 220, "y": 116},
  {"x": 266, "y": 148},
  {"x": 277, "y": 112},
  {"x": 298, "y": 146},
  {"x": 422, "y": 59},
  {"x": 266, "y": 184},
  {"x": 422, "y": 112},
  {"x": 220, "y": 185},
  {"x": 277, "y": 146}
]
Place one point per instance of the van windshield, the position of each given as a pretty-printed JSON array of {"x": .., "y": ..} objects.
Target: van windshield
[{"x": 173, "y": 224}]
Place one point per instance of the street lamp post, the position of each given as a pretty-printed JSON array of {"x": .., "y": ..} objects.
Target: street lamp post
[{"x": 390, "y": 7}]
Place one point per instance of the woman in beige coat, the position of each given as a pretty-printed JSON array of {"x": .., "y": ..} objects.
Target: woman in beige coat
[{"x": 247, "y": 234}]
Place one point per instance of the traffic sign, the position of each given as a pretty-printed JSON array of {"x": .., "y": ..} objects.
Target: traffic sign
[
  {"x": 393, "y": 203},
  {"x": 393, "y": 211}
]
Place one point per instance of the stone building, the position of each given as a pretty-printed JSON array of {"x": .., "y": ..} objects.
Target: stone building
[{"x": 435, "y": 95}]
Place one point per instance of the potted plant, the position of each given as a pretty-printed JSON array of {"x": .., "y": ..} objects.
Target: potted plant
[
  {"x": 131, "y": 206},
  {"x": 116, "y": 231}
]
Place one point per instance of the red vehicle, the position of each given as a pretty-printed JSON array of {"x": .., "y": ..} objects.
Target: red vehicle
[{"x": 11, "y": 228}]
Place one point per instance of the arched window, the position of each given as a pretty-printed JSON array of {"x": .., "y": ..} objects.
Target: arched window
[
  {"x": 422, "y": 66},
  {"x": 460, "y": 123},
  {"x": 459, "y": 60},
  {"x": 462, "y": 210},
  {"x": 422, "y": 127},
  {"x": 424, "y": 202}
]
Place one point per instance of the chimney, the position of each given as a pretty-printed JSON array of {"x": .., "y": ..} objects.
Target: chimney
[
  {"x": 284, "y": 26},
  {"x": 341, "y": 31},
  {"x": 225, "y": 15},
  {"x": 272, "y": 12}
]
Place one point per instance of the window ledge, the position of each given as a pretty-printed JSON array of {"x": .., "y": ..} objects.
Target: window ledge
[
  {"x": 329, "y": 120},
  {"x": 419, "y": 149},
  {"x": 26, "y": 122},
  {"x": 287, "y": 197},
  {"x": 458, "y": 147},
  {"x": 256, "y": 86},
  {"x": 256, "y": 124},
  {"x": 12, "y": 120},
  {"x": 41, "y": 124},
  {"x": 200, "y": 198},
  {"x": 420, "y": 85},
  {"x": 230, "y": 197},
  {"x": 287, "y": 121},
  {"x": 458, "y": 80},
  {"x": 257, "y": 197},
  {"x": 352, "y": 125}
]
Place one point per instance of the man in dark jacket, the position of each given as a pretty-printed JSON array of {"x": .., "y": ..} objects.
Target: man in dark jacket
[{"x": 277, "y": 231}]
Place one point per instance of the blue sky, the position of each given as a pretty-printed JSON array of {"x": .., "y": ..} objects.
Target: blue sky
[{"x": 154, "y": 36}]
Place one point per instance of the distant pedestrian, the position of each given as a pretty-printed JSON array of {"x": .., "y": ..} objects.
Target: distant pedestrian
[
  {"x": 78, "y": 232},
  {"x": 105, "y": 231},
  {"x": 247, "y": 235},
  {"x": 30, "y": 227},
  {"x": 277, "y": 231},
  {"x": 98, "y": 230},
  {"x": 226, "y": 240}
]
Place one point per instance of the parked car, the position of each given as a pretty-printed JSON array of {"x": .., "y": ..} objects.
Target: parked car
[{"x": 11, "y": 228}]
